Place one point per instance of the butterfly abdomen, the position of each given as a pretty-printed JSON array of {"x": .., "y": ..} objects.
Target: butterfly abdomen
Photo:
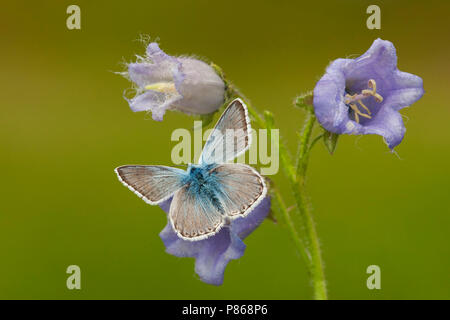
[{"x": 204, "y": 186}]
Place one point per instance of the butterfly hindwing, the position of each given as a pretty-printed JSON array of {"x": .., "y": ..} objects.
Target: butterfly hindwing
[
  {"x": 153, "y": 184},
  {"x": 224, "y": 192},
  {"x": 230, "y": 137},
  {"x": 193, "y": 216},
  {"x": 241, "y": 188}
]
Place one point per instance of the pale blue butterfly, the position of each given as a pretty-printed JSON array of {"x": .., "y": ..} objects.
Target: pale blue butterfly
[{"x": 208, "y": 195}]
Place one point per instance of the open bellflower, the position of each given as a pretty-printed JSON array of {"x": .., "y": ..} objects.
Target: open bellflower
[
  {"x": 213, "y": 254},
  {"x": 364, "y": 95},
  {"x": 177, "y": 83}
]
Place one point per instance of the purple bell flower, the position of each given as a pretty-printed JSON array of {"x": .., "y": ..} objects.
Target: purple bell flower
[
  {"x": 213, "y": 254},
  {"x": 364, "y": 95},
  {"x": 179, "y": 83}
]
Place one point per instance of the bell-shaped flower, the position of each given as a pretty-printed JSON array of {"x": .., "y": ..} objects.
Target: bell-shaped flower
[
  {"x": 179, "y": 83},
  {"x": 364, "y": 95},
  {"x": 213, "y": 254}
]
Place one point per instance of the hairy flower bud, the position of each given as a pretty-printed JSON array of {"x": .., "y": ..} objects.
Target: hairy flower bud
[{"x": 176, "y": 83}]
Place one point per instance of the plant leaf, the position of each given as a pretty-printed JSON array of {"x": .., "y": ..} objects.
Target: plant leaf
[{"x": 330, "y": 140}]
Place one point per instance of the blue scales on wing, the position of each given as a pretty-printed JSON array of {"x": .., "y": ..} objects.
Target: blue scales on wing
[{"x": 213, "y": 196}]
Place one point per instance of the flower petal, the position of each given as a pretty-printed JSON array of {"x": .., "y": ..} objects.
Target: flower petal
[
  {"x": 380, "y": 59},
  {"x": 388, "y": 123},
  {"x": 154, "y": 101},
  {"x": 156, "y": 54},
  {"x": 213, "y": 254},
  {"x": 216, "y": 252},
  {"x": 203, "y": 90},
  {"x": 145, "y": 73},
  {"x": 408, "y": 89},
  {"x": 328, "y": 102},
  {"x": 177, "y": 246},
  {"x": 157, "y": 66},
  {"x": 244, "y": 226}
]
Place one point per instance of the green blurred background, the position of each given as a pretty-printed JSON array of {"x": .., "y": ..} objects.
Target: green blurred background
[{"x": 64, "y": 127}]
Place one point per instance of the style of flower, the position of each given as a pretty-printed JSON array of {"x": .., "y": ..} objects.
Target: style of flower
[
  {"x": 213, "y": 254},
  {"x": 364, "y": 95},
  {"x": 179, "y": 83}
]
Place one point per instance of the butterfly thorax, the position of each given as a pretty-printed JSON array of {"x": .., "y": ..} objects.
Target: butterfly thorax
[{"x": 203, "y": 183}]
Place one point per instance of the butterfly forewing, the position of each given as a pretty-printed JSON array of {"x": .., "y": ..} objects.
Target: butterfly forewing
[
  {"x": 230, "y": 137},
  {"x": 242, "y": 188},
  {"x": 153, "y": 184}
]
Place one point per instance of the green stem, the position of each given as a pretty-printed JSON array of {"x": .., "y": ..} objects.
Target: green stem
[
  {"x": 298, "y": 186},
  {"x": 316, "y": 264},
  {"x": 297, "y": 235},
  {"x": 298, "y": 242}
]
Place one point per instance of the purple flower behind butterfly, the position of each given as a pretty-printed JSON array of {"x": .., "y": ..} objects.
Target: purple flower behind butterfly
[
  {"x": 364, "y": 95},
  {"x": 213, "y": 254},
  {"x": 178, "y": 83}
]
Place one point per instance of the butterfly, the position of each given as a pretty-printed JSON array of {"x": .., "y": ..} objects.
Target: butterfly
[{"x": 208, "y": 195}]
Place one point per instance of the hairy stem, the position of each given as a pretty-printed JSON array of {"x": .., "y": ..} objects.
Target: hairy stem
[
  {"x": 298, "y": 186},
  {"x": 298, "y": 242}
]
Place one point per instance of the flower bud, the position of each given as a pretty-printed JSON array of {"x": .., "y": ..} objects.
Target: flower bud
[{"x": 165, "y": 82}]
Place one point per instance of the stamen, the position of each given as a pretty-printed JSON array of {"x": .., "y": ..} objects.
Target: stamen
[
  {"x": 351, "y": 99},
  {"x": 364, "y": 106},
  {"x": 164, "y": 87},
  {"x": 365, "y": 115},
  {"x": 355, "y": 109},
  {"x": 372, "y": 85},
  {"x": 358, "y": 113}
]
